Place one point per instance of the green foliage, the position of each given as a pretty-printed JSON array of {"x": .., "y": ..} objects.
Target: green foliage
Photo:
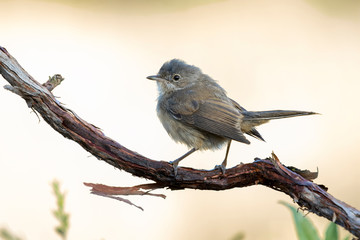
[
  {"x": 238, "y": 236},
  {"x": 331, "y": 232},
  {"x": 339, "y": 8},
  {"x": 5, "y": 234},
  {"x": 59, "y": 213},
  {"x": 306, "y": 230}
]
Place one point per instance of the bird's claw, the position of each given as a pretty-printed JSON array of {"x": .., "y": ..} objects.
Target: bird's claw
[
  {"x": 221, "y": 167},
  {"x": 175, "y": 166}
]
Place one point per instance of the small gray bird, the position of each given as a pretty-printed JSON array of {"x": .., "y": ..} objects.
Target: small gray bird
[{"x": 196, "y": 111}]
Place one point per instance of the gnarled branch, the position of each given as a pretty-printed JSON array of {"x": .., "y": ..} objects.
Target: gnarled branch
[{"x": 267, "y": 172}]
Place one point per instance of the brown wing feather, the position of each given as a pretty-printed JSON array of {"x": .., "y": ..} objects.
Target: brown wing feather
[
  {"x": 253, "y": 132},
  {"x": 213, "y": 115}
]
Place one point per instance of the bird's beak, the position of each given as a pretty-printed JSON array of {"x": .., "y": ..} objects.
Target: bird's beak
[{"x": 156, "y": 78}]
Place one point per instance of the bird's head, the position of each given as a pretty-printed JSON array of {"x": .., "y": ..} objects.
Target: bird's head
[{"x": 176, "y": 75}]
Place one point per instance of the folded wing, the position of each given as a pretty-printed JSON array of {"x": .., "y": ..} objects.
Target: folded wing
[{"x": 215, "y": 116}]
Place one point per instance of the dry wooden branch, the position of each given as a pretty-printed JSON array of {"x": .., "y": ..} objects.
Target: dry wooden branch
[{"x": 267, "y": 172}]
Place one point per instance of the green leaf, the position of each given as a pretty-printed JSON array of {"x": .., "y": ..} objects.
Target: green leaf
[
  {"x": 304, "y": 228},
  {"x": 331, "y": 232}
]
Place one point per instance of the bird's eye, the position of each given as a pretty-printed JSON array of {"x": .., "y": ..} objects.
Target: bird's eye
[{"x": 176, "y": 77}]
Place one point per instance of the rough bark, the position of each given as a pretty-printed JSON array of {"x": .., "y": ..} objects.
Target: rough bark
[{"x": 267, "y": 172}]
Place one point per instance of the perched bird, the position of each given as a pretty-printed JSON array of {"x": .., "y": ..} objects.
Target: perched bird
[{"x": 195, "y": 110}]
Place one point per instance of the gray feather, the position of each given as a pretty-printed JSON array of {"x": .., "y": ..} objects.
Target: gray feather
[{"x": 274, "y": 114}]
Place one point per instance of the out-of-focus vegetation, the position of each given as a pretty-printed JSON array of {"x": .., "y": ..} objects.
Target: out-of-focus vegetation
[
  {"x": 306, "y": 230},
  {"x": 59, "y": 214},
  {"x": 340, "y": 8},
  {"x": 5, "y": 234},
  {"x": 343, "y": 8},
  {"x": 238, "y": 236},
  {"x": 155, "y": 6}
]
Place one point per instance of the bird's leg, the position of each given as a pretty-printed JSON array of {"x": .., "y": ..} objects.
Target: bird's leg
[
  {"x": 222, "y": 167},
  {"x": 175, "y": 163}
]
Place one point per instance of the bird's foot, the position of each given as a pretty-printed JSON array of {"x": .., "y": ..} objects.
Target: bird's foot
[
  {"x": 175, "y": 166},
  {"x": 222, "y": 168}
]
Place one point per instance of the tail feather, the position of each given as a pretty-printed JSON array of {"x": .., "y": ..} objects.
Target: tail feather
[
  {"x": 251, "y": 119},
  {"x": 254, "y": 133},
  {"x": 259, "y": 116}
]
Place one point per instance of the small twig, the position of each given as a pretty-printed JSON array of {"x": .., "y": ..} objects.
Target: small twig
[{"x": 53, "y": 82}]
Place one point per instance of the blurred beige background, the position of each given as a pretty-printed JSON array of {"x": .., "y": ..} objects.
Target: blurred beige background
[{"x": 299, "y": 54}]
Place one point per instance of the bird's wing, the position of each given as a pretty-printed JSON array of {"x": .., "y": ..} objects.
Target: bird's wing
[
  {"x": 215, "y": 116},
  {"x": 237, "y": 105}
]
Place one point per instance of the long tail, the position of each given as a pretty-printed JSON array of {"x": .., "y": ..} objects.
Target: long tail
[
  {"x": 274, "y": 114},
  {"x": 252, "y": 119}
]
